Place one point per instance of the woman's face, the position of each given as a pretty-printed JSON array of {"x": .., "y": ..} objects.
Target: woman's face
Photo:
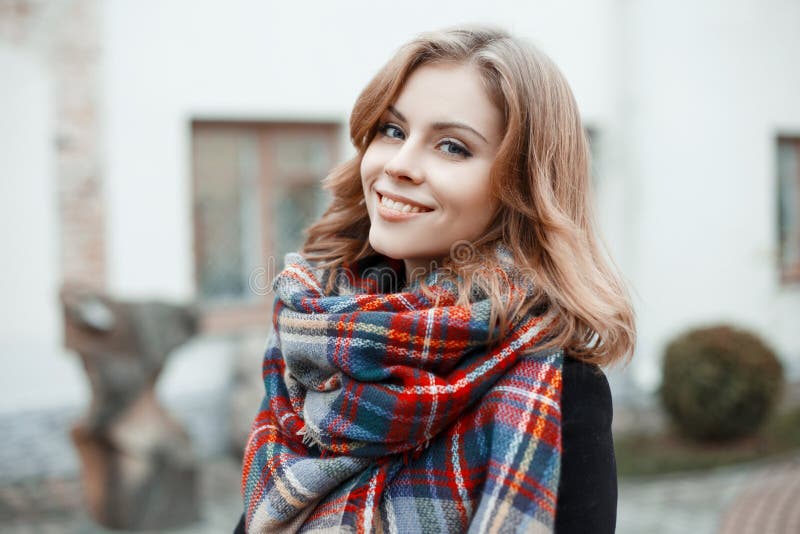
[{"x": 426, "y": 173}]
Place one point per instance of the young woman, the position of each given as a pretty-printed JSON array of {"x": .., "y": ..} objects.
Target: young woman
[{"x": 434, "y": 359}]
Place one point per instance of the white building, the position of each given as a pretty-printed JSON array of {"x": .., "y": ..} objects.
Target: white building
[{"x": 108, "y": 111}]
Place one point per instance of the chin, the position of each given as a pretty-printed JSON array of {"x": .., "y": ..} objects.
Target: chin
[
  {"x": 396, "y": 245},
  {"x": 391, "y": 252}
]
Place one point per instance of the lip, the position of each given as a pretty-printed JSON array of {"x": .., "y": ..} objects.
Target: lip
[
  {"x": 401, "y": 198},
  {"x": 393, "y": 215}
]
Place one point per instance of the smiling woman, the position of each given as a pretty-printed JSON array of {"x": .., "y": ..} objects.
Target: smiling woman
[{"x": 434, "y": 360}]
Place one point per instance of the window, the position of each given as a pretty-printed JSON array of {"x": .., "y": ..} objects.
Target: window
[
  {"x": 595, "y": 152},
  {"x": 256, "y": 187},
  {"x": 789, "y": 208}
]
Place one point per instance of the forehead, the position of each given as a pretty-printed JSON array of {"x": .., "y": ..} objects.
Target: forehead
[{"x": 443, "y": 91}]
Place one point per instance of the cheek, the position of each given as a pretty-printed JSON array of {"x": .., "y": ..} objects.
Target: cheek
[
  {"x": 474, "y": 194},
  {"x": 370, "y": 164},
  {"x": 471, "y": 208}
]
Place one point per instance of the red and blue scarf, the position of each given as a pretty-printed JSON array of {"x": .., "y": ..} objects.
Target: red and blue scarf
[{"x": 387, "y": 411}]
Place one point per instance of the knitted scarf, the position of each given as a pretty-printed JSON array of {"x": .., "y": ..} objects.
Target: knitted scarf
[{"x": 387, "y": 412}]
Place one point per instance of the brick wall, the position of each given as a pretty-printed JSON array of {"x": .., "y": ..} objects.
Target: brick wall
[{"x": 65, "y": 36}]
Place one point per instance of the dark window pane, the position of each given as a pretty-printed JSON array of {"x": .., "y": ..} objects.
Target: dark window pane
[
  {"x": 298, "y": 206},
  {"x": 789, "y": 207},
  {"x": 226, "y": 212}
]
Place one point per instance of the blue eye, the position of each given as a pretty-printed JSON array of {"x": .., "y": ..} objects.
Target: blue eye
[
  {"x": 388, "y": 129},
  {"x": 457, "y": 148}
]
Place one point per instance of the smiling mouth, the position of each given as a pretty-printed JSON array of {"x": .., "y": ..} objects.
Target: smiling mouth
[{"x": 399, "y": 207}]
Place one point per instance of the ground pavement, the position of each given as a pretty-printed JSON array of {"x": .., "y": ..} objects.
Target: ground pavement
[
  {"x": 762, "y": 498},
  {"x": 756, "y": 498}
]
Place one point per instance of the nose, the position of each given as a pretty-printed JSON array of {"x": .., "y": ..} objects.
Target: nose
[{"x": 405, "y": 164}]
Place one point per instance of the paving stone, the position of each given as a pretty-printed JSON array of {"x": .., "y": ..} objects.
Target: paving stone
[
  {"x": 34, "y": 506},
  {"x": 697, "y": 503},
  {"x": 770, "y": 504}
]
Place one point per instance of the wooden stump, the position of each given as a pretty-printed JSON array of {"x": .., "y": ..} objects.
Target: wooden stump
[{"x": 138, "y": 468}]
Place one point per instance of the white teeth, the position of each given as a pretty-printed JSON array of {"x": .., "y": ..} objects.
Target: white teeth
[{"x": 399, "y": 206}]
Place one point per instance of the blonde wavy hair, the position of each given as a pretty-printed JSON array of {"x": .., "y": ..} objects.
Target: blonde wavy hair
[{"x": 540, "y": 175}]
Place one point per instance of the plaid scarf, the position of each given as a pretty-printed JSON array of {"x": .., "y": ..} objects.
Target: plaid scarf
[{"x": 387, "y": 412}]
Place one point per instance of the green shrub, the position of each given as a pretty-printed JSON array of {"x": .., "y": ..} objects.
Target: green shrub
[{"x": 719, "y": 383}]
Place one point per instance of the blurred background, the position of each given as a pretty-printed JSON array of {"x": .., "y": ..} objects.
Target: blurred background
[{"x": 172, "y": 150}]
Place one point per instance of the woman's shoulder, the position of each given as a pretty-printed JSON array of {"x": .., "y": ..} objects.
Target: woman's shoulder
[
  {"x": 586, "y": 394},
  {"x": 587, "y": 493},
  {"x": 584, "y": 386}
]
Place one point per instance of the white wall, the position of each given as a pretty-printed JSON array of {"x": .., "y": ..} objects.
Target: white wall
[
  {"x": 711, "y": 83},
  {"x": 35, "y": 372},
  {"x": 43, "y": 388}
]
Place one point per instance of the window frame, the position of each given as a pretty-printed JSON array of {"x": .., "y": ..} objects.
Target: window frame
[
  {"x": 237, "y": 315},
  {"x": 789, "y": 273}
]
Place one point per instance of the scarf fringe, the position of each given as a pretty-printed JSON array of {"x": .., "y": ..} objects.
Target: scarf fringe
[{"x": 306, "y": 437}]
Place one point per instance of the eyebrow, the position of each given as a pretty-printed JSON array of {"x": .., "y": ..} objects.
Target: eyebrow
[{"x": 441, "y": 125}]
